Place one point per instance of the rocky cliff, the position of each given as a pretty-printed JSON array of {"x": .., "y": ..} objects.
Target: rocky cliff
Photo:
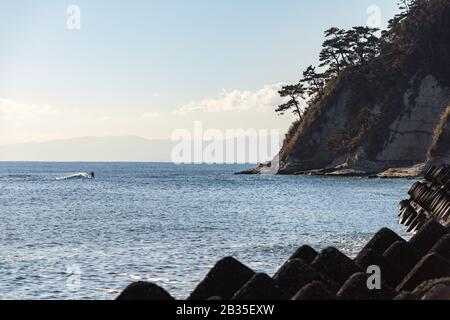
[
  {"x": 389, "y": 117},
  {"x": 336, "y": 141}
]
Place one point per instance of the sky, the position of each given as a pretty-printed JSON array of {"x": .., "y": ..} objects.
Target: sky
[{"x": 148, "y": 68}]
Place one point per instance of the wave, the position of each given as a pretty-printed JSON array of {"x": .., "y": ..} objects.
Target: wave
[{"x": 77, "y": 176}]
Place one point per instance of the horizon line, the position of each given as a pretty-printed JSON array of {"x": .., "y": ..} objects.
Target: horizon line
[{"x": 118, "y": 161}]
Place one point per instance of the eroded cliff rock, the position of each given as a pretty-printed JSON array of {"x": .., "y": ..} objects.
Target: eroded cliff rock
[
  {"x": 417, "y": 134},
  {"x": 407, "y": 143}
]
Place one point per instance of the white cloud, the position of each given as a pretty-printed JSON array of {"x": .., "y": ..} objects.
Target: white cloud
[
  {"x": 151, "y": 115},
  {"x": 15, "y": 112},
  {"x": 21, "y": 122},
  {"x": 262, "y": 100}
]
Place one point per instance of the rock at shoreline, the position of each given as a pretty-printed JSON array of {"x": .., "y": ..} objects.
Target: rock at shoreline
[
  {"x": 295, "y": 274},
  {"x": 432, "y": 266},
  {"x": 442, "y": 247},
  {"x": 408, "y": 172},
  {"x": 259, "y": 287},
  {"x": 381, "y": 241},
  {"x": 402, "y": 255},
  {"x": 427, "y": 210},
  {"x": 428, "y": 236},
  {"x": 345, "y": 171},
  {"x": 406, "y": 296},
  {"x": 144, "y": 291},
  {"x": 270, "y": 167},
  {"x": 314, "y": 291},
  {"x": 252, "y": 171},
  {"x": 426, "y": 286},
  {"x": 224, "y": 280},
  {"x": 356, "y": 288},
  {"x": 305, "y": 253},
  {"x": 438, "y": 292},
  {"x": 335, "y": 265},
  {"x": 390, "y": 273}
]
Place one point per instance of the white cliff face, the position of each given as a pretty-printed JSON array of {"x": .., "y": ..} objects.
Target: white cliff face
[
  {"x": 411, "y": 134},
  {"x": 337, "y": 115},
  {"x": 405, "y": 152}
]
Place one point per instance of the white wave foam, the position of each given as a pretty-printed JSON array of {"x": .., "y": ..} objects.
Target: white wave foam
[{"x": 76, "y": 176}]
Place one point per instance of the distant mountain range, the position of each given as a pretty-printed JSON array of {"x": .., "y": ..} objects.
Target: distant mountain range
[
  {"x": 90, "y": 149},
  {"x": 137, "y": 149}
]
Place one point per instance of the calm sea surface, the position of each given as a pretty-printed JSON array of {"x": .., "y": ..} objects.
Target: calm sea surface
[{"x": 87, "y": 239}]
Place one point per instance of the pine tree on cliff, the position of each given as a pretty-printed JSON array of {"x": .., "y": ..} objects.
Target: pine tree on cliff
[
  {"x": 362, "y": 44},
  {"x": 334, "y": 51},
  {"x": 348, "y": 48},
  {"x": 315, "y": 81},
  {"x": 294, "y": 93},
  {"x": 405, "y": 7}
]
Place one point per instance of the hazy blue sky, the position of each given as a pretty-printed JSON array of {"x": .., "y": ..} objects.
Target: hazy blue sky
[{"x": 146, "y": 68}]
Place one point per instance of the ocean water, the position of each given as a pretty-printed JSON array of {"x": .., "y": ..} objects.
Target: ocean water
[{"x": 88, "y": 239}]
